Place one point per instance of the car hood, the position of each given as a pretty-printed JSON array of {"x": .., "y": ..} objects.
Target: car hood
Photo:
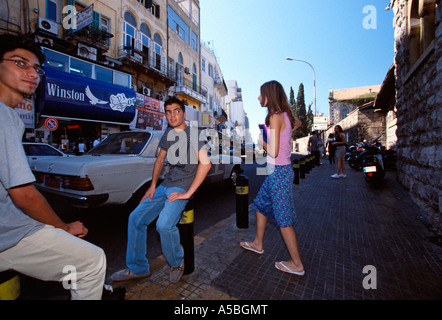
[{"x": 77, "y": 165}]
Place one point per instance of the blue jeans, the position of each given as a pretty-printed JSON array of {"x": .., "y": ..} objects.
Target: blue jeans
[{"x": 168, "y": 216}]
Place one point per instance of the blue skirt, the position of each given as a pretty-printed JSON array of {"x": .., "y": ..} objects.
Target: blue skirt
[{"x": 275, "y": 198}]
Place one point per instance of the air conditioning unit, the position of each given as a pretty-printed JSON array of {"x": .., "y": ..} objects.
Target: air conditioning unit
[
  {"x": 186, "y": 70},
  {"x": 146, "y": 91},
  {"x": 48, "y": 26},
  {"x": 87, "y": 52},
  {"x": 44, "y": 41}
]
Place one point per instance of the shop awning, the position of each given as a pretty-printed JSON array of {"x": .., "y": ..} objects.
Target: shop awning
[{"x": 71, "y": 96}]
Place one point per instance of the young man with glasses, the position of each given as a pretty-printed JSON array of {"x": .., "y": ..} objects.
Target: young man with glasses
[
  {"x": 33, "y": 239},
  {"x": 188, "y": 167}
]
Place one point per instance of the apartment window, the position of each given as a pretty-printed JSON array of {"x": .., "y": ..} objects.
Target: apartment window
[
  {"x": 211, "y": 73},
  {"x": 180, "y": 70},
  {"x": 105, "y": 25},
  {"x": 195, "y": 42},
  {"x": 129, "y": 32},
  {"x": 145, "y": 38},
  {"x": 421, "y": 27},
  {"x": 155, "y": 10},
  {"x": 203, "y": 65},
  {"x": 53, "y": 10},
  {"x": 158, "y": 50},
  {"x": 194, "y": 78},
  {"x": 178, "y": 25}
]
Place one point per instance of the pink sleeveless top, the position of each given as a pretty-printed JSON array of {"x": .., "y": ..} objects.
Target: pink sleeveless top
[{"x": 285, "y": 144}]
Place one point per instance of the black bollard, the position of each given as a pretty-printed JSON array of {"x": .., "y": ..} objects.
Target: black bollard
[
  {"x": 307, "y": 164},
  {"x": 296, "y": 171},
  {"x": 302, "y": 168},
  {"x": 242, "y": 202},
  {"x": 185, "y": 226},
  {"x": 9, "y": 285},
  {"x": 312, "y": 160}
]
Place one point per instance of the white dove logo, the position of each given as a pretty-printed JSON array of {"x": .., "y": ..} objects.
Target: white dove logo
[{"x": 93, "y": 99}]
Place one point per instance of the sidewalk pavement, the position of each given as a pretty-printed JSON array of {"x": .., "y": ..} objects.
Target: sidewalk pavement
[{"x": 342, "y": 226}]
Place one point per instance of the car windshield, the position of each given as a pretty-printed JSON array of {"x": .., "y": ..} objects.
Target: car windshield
[
  {"x": 40, "y": 150},
  {"x": 122, "y": 143}
]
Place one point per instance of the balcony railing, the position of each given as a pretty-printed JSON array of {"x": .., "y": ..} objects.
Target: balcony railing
[{"x": 146, "y": 60}]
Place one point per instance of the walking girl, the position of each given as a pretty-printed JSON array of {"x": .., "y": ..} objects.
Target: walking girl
[
  {"x": 275, "y": 197},
  {"x": 340, "y": 142}
]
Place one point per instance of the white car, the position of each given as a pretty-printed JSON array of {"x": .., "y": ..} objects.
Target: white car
[
  {"x": 117, "y": 170},
  {"x": 36, "y": 150}
]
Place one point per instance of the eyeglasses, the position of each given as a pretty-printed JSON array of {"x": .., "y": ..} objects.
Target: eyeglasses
[{"x": 25, "y": 65}]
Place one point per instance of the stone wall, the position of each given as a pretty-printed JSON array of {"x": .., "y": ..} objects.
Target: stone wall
[
  {"x": 363, "y": 124},
  {"x": 419, "y": 114}
]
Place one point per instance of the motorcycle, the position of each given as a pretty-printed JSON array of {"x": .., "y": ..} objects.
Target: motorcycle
[
  {"x": 373, "y": 167},
  {"x": 356, "y": 157},
  {"x": 353, "y": 151}
]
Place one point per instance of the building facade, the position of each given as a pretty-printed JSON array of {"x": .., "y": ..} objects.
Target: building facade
[
  {"x": 344, "y": 101},
  {"x": 418, "y": 93},
  {"x": 110, "y": 64},
  {"x": 213, "y": 87}
]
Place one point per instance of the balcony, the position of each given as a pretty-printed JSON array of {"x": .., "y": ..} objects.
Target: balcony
[
  {"x": 190, "y": 89},
  {"x": 92, "y": 36},
  {"x": 152, "y": 65}
]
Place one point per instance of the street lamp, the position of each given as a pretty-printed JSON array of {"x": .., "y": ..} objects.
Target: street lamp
[{"x": 314, "y": 77}]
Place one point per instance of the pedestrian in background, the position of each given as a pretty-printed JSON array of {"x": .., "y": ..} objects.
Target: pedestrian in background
[
  {"x": 275, "y": 197},
  {"x": 331, "y": 148},
  {"x": 313, "y": 147},
  {"x": 340, "y": 143}
]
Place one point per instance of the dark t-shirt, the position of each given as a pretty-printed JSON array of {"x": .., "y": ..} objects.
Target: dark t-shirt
[{"x": 182, "y": 154}]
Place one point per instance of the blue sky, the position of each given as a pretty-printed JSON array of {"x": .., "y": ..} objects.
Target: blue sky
[{"x": 347, "y": 46}]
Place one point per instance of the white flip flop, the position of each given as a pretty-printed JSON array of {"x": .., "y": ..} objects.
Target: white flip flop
[
  {"x": 247, "y": 246},
  {"x": 286, "y": 269}
]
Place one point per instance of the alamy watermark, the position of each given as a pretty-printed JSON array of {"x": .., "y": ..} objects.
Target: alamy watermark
[
  {"x": 370, "y": 21},
  {"x": 70, "y": 279},
  {"x": 370, "y": 281}
]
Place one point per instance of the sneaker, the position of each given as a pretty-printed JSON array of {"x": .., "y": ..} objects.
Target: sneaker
[
  {"x": 125, "y": 274},
  {"x": 335, "y": 176},
  {"x": 342, "y": 176},
  {"x": 176, "y": 273}
]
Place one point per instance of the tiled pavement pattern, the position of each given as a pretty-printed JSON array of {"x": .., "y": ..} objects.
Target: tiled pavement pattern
[{"x": 342, "y": 226}]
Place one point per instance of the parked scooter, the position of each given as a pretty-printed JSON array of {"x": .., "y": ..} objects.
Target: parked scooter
[
  {"x": 358, "y": 154},
  {"x": 373, "y": 166},
  {"x": 353, "y": 151}
]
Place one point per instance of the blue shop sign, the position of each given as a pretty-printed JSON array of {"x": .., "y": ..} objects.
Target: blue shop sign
[{"x": 70, "y": 96}]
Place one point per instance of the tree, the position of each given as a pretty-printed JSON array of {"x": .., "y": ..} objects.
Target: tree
[
  {"x": 310, "y": 118},
  {"x": 301, "y": 114}
]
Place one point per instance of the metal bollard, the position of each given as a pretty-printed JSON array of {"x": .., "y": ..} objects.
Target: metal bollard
[
  {"x": 296, "y": 171},
  {"x": 302, "y": 168},
  {"x": 185, "y": 226},
  {"x": 307, "y": 164},
  {"x": 242, "y": 202},
  {"x": 9, "y": 285},
  {"x": 312, "y": 160}
]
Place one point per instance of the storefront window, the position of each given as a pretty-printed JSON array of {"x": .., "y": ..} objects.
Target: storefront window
[
  {"x": 56, "y": 61},
  {"x": 103, "y": 74},
  {"x": 121, "y": 79},
  {"x": 65, "y": 63},
  {"x": 81, "y": 68}
]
